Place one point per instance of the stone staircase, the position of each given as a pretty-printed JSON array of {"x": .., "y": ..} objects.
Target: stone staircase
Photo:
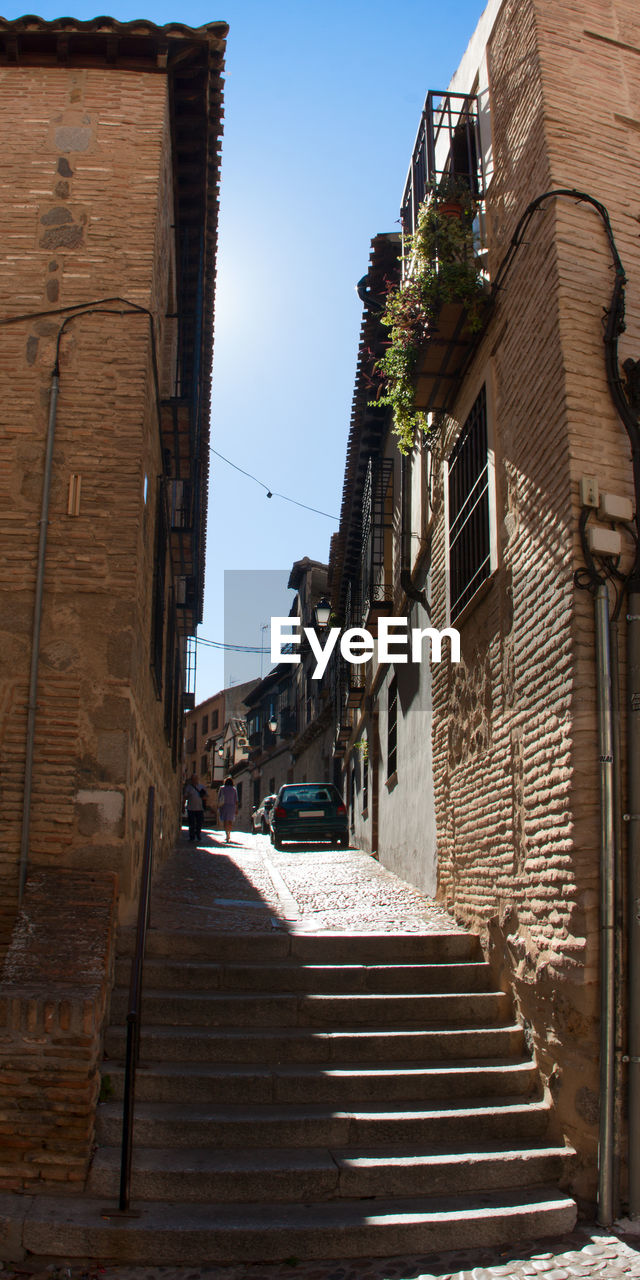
[{"x": 322, "y": 1096}]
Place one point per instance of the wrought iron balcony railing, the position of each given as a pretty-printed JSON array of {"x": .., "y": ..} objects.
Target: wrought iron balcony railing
[{"x": 447, "y": 148}]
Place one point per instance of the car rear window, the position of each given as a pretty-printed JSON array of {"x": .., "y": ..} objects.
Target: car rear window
[{"x": 304, "y": 794}]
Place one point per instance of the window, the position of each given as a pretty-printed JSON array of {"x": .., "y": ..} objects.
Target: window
[
  {"x": 469, "y": 501},
  {"x": 205, "y": 724},
  {"x": 159, "y": 586},
  {"x": 239, "y": 790},
  {"x": 376, "y": 569},
  {"x": 392, "y": 728},
  {"x": 203, "y": 765},
  {"x": 214, "y": 719}
]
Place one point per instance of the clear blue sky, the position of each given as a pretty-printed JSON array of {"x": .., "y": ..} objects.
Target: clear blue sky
[{"x": 322, "y": 104}]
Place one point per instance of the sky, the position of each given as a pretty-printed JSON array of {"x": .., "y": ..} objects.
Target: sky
[{"x": 322, "y": 106}]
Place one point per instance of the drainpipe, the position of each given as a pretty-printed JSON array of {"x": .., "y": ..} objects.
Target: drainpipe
[
  {"x": 35, "y": 641},
  {"x": 607, "y": 908},
  {"x": 633, "y": 819}
]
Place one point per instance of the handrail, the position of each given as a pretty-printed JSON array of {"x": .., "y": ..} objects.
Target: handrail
[{"x": 133, "y": 1014}]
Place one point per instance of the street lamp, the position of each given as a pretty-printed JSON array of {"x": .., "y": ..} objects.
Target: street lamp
[
  {"x": 323, "y": 612},
  {"x": 272, "y": 724}
]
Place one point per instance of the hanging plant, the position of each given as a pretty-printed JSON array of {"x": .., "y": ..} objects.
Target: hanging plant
[{"x": 441, "y": 268}]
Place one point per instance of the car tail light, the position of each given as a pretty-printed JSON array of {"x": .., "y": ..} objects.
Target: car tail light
[
  {"x": 342, "y": 808},
  {"x": 281, "y": 811}
]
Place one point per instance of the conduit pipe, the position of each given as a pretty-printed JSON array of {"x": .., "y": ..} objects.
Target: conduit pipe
[
  {"x": 71, "y": 314},
  {"x": 37, "y": 621},
  {"x": 607, "y": 907}
]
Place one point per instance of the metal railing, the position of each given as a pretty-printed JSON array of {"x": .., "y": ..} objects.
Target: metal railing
[
  {"x": 447, "y": 147},
  {"x": 134, "y": 1010}
]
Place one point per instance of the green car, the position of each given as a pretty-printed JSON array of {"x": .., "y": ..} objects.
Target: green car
[{"x": 309, "y": 811}]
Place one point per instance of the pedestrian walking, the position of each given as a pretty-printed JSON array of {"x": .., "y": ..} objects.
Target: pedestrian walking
[
  {"x": 227, "y": 806},
  {"x": 194, "y": 796}
]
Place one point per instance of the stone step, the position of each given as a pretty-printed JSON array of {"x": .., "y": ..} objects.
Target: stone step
[
  {"x": 178, "y": 1234},
  {"x": 316, "y": 1174},
  {"x": 290, "y": 1045},
  {"x": 480, "y": 1008},
  {"x": 206, "y": 1045},
  {"x": 203, "y": 975},
  {"x": 192, "y": 1080},
  {"x": 193, "y": 1124},
  {"x": 313, "y": 948}
]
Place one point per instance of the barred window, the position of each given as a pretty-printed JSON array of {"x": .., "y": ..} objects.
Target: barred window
[
  {"x": 392, "y": 728},
  {"x": 159, "y": 585},
  {"x": 469, "y": 512}
]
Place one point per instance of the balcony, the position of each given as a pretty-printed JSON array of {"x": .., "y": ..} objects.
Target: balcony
[
  {"x": 443, "y": 357},
  {"x": 437, "y": 312},
  {"x": 447, "y": 148},
  {"x": 357, "y": 687}
]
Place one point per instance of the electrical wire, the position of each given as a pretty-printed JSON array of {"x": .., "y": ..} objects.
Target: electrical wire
[
  {"x": 271, "y": 493},
  {"x": 237, "y": 648}
]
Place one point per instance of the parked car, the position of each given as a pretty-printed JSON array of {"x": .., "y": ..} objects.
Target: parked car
[
  {"x": 309, "y": 811},
  {"x": 260, "y": 816}
]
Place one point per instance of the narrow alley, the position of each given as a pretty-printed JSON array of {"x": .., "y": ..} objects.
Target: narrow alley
[{"x": 336, "y": 931}]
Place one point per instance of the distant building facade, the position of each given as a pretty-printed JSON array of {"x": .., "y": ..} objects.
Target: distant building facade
[{"x": 289, "y": 715}]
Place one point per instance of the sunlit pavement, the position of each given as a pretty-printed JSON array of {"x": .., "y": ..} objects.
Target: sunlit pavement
[{"x": 248, "y": 886}]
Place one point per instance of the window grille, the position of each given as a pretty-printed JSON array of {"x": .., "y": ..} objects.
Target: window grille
[
  {"x": 180, "y": 497},
  {"x": 169, "y": 672},
  {"x": 469, "y": 515},
  {"x": 159, "y": 582},
  {"x": 177, "y": 720},
  {"x": 190, "y": 667},
  {"x": 377, "y": 534},
  {"x": 392, "y": 727}
]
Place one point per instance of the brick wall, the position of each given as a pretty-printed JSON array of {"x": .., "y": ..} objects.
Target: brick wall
[
  {"x": 53, "y": 1003},
  {"x": 515, "y": 745},
  {"x": 86, "y": 214}
]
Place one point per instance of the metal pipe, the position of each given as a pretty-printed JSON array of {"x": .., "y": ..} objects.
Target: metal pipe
[
  {"x": 619, "y": 899},
  {"x": 633, "y": 891},
  {"x": 607, "y": 908},
  {"x": 35, "y": 639}
]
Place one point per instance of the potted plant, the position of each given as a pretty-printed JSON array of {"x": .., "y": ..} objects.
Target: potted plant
[{"x": 440, "y": 269}]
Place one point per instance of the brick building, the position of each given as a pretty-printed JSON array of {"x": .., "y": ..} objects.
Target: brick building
[
  {"x": 481, "y": 779},
  {"x": 109, "y": 221}
]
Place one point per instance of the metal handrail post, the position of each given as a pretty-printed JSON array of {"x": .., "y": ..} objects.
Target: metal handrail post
[{"x": 133, "y": 1014}]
